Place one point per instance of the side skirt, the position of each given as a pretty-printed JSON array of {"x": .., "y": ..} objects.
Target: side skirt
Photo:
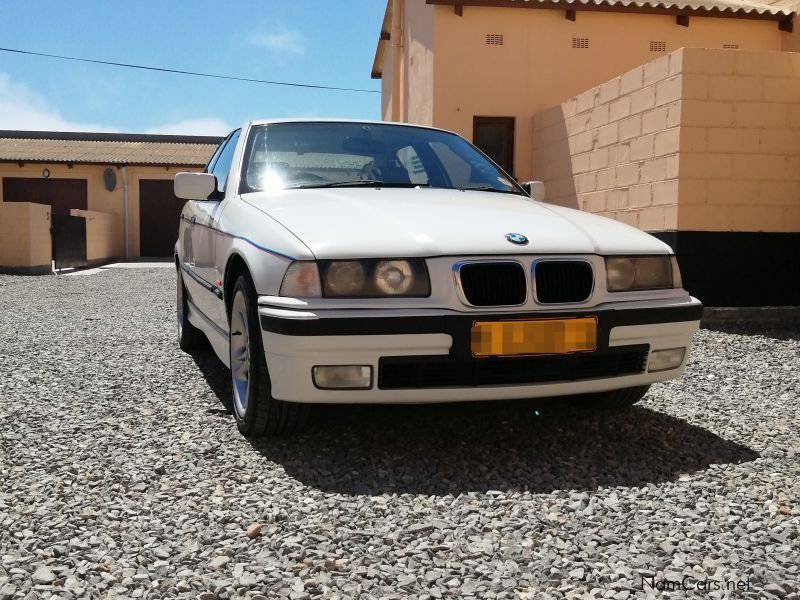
[{"x": 217, "y": 336}]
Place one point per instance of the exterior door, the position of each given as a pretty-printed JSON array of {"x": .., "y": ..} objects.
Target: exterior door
[
  {"x": 495, "y": 137},
  {"x": 61, "y": 195},
  {"x": 159, "y": 217},
  {"x": 69, "y": 241}
]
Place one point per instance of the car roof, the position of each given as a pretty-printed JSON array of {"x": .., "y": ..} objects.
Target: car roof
[{"x": 330, "y": 120}]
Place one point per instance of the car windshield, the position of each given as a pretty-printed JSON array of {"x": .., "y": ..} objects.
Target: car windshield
[{"x": 308, "y": 155}]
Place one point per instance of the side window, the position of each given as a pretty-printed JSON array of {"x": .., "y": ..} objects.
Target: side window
[
  {"x": 215, "y": 156},
  {"x": 222, "y": 166}
]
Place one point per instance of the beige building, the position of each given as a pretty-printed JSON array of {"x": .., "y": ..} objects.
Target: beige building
[
  {"x": 683, "y": 121},
  {"x": 115, "y": 188}
]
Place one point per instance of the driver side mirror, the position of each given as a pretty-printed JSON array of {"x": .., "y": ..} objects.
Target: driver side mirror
[
  {"x": 535, "y": 189},
  {"x": 196, "y": 186}
]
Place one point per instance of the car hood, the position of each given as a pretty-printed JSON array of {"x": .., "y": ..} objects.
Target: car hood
[{"x": 387, "y": 222}]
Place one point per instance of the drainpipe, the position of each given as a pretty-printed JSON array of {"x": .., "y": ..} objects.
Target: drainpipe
[
  {"x": 397, "y": 60},
  {"x": 125, "y": 206}
]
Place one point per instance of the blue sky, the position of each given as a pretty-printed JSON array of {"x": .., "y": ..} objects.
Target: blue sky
[{"x": 307, "y": 41}]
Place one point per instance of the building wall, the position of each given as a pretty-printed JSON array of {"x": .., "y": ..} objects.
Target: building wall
[
  {"x": 25, "y": 236},
  {"x": 387, "y": 78},
  {"x": 613, "y": 149},
  {"x": 102, "y": 234},
  {"x": 99, "y": 199},
  {"x": 701, "y": 147},
  {"x": 791, "y": 41},
  {"x": 536, "y": 67},
  {"x": 704, "y": 140},
  {"x": 740, "y": 141},
  {"x": 418, "y": 36}
]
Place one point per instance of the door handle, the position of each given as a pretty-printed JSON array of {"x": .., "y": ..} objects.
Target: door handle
[{"x": 193, "y": 220}]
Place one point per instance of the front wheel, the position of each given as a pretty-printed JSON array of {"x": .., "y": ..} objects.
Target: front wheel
[
  {"x": 257, "y": 412},
  {"x": 612, "y": 400}
]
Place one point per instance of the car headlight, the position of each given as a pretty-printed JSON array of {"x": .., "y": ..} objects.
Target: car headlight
[
  {"x": 629, "y": 273},
  {"x": 370, "y": 278},
  {"x": 394, "y": 277},
  {"x": 345, "y": 278}
]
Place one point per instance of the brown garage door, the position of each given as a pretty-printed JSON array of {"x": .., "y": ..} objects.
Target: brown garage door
[
  {"x": 60, "y": 194},
  {"x": 159, "y": 216}
]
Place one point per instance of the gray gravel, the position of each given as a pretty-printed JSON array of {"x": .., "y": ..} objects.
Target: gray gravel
[{"x": 121, "y": 474}]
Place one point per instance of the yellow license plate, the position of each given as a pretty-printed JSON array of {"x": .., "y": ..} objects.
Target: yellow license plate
[{"x": 542, "y": 336}]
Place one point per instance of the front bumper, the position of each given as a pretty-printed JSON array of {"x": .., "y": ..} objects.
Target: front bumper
[{"x": 424, "y": 356}]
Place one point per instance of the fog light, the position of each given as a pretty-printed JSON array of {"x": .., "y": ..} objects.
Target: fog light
[
  {"x": 664, "y": 360},
  {"x": 343, "y": 377}
]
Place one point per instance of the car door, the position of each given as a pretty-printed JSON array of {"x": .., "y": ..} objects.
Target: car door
[
  {"x": 196, "y": 286},
  {"x": 188, "y": 216},
  {"x": 205, "y": 233}
]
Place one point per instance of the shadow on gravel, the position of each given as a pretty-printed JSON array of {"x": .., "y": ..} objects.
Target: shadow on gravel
[
  {"x": 482, "y": 446},
  {"x": 216, "y": 375},
  {"x": 478, "y": 447}
]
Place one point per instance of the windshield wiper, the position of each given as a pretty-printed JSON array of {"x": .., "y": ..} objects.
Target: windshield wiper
[
  {"x": 488, "y": 188},
  {"x": 359, "y": 183}
]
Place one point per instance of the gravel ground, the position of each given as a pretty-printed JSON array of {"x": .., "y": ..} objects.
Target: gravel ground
[{"x": 121, "y": 474}]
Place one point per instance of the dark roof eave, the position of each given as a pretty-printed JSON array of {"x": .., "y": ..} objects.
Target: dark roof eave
[
  {"x": 87, "y": 136},
  {"x": 385, "y": 35},
  {"x": 107, "y": 163}
]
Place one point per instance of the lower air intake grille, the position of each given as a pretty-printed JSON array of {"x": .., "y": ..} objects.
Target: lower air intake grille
[
  {"x": 410, "y": 372},
  {"x": 493, "y": 283},
  {"x": 559, "y": 282}
]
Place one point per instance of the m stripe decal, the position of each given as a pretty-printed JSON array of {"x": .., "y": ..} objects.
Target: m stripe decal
[{"x": 238, "y": 237}]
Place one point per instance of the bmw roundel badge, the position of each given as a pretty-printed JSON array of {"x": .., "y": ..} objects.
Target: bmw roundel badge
[{"x": 517, "y": 238}]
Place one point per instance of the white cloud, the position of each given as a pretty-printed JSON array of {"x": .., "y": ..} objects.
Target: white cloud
[
  {"x": 201, "y": 126},
  {"x": 288, "y": 41},
  {"x": 24, "y": 109}
]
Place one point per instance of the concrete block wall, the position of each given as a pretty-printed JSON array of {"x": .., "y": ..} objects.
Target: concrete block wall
[
  {"x": 697, "y": 140},
  {"x": 740, "y": 141},
  {"x": 791, "y": 40},
  {"x": 614, "y": 149},
  {"x": 102, "y": 234},
  {"x": 25, "y": 242}
]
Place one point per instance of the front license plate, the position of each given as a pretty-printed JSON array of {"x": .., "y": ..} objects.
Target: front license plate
[{"x": 542, "y": 336}]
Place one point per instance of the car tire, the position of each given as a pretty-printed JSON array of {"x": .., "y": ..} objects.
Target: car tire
[
  {"x": 189, "y": 337},
  {"x": 257, "y": 413},
  {"x": 612, "y": 400}
]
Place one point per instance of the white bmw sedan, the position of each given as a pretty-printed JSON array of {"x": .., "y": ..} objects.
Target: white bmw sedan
[{"x": 337, "y": 261}]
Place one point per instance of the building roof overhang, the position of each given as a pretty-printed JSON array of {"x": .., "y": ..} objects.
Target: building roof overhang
[
  {"x": 106, "y": 148},
  {"x": 777, "y": 10},
  {"x": 781, "y": 11},
  {"x": 383, "y": 40}
]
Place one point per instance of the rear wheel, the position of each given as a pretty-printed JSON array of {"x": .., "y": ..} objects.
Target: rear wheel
[
  {"x": 189, "y": 337},
  {"x": 257, "y": 412},
  {"x": 612, "y": 400}
]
